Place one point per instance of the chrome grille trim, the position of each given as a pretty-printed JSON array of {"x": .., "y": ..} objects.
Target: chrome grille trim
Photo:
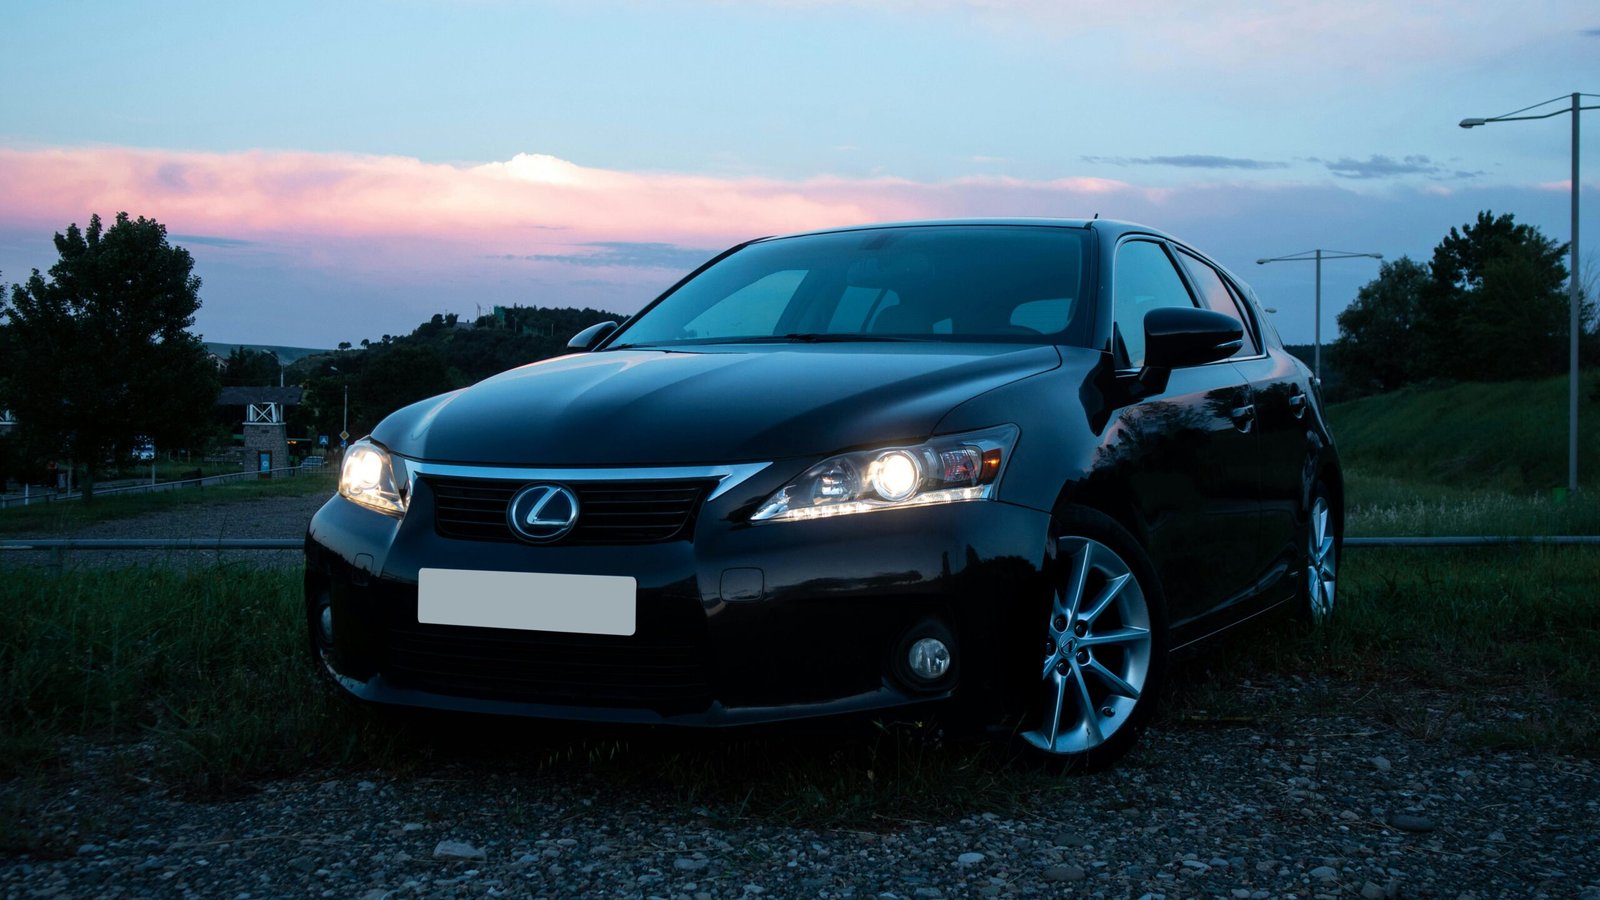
[{"x": 729, "y": 477}]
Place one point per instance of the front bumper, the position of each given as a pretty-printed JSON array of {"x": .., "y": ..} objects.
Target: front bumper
[{"x": 736, "y": 624}]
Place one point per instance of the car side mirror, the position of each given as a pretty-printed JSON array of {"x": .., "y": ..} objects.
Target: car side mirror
[
  {"x": 1177, "y": 336},
  {"x": 590, "y": 337}
]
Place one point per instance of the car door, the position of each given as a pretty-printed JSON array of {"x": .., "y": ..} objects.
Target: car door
[
  {"x": 1279, "y": 402},
  {"x": 1187, "y": 451}
]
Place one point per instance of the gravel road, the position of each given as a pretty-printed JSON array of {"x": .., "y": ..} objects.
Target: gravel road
[
  {"x": 1327, "y": 799},
  {"x": 1304, "y": 806}
]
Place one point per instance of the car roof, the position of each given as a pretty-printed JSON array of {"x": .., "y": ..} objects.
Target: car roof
[{"x": 1110, "y": 227}]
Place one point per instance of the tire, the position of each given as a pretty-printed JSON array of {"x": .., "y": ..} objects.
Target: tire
[
  {"x": 1319, "y": 582},
  {"x": 1105, "y": 646}
]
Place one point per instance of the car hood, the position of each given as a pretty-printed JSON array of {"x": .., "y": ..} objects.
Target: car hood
[{"x": 706, "y": 405}]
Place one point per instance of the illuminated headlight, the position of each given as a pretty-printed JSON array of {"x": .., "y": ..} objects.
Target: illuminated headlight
[
  {"x": 943, "y": 470},
  {"x": 373, "y": 478}
]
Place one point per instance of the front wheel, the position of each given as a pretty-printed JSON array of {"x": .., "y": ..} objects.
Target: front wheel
[{"x": 1104, "y": 645}]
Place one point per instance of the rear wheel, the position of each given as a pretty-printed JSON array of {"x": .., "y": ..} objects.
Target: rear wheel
[
  {"x": 1319, "y": 586},
  {"x": 1104, "y": 645}
]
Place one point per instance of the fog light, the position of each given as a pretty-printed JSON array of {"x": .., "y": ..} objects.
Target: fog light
[
  {"x": 325, "y": 625},
  {"x": 929, "y": 659}
]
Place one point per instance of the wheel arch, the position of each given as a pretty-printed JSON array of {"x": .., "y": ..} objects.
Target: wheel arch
[{"x": 1109, "y": 498}]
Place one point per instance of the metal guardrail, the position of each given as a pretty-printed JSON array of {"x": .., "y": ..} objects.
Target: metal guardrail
[
  {"x": 1471, "y": 541},
  {"x": 58, "y": 548},
  {"x": 50, "y": 495},
  {"x": 154, "y": 544}
]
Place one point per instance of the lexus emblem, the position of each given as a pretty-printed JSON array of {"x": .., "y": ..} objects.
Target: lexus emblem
[{"x": 541, "y": 513}]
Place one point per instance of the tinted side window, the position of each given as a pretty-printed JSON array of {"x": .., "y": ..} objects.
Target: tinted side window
[
  {"x": 1217, "y": 298},
  {"x": 1144, "y": 280}
]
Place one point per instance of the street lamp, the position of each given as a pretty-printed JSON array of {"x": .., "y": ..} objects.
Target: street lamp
[
  {"x": 1574, "y": 290},
  {"x": 1318, "y": 255}
]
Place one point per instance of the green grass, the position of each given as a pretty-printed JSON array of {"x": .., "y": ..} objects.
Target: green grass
[
  {"x": 200, "y": 679},
  {"x": 1387, "y": 506},
  {"x": 1511, "y": 634},
  {"x": 70, "y": 515},
  {"x": 1507, "y": 436},
  {"x": 207, "y": 663}
]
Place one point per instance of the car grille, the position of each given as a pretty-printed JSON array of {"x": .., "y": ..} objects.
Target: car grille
[
  {"x": 609, "y": 512},
  {"x": 544, "y": 668}
]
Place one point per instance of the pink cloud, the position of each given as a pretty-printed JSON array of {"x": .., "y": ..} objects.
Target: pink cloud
[
  {"x": 309, "y": 249},
  {"x": 403, "y": 211},
  {"x": 499, "y": 206}
]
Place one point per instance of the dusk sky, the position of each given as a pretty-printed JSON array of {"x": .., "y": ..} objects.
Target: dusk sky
[{"x": 343, "y": 171}]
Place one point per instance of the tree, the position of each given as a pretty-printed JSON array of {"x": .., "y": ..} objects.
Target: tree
[
  {"x": 253, "y": 368},
  {"x": 1376, "y": 348},
  {"x": 396, "y": 375},
  {"x": 100, "y": 352},
  {"x": 1495, "y": 292}
]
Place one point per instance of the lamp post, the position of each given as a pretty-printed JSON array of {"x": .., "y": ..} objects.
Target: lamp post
[
  {"x": 1318, "y": 256},
  {"x": 1574, "y": 290},
  {"x": 344, "y": 428}
]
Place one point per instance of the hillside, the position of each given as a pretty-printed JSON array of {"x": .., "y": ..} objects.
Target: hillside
[
  {"x": 1506, "y": 435},
  {"x": 285, "y": 354}
]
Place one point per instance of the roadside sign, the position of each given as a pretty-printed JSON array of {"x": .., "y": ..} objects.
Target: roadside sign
[
  {"x": 322, "y": 440},
  {"x": 343, "y": 436}
]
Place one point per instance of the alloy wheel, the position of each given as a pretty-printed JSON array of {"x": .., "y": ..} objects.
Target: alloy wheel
[
  {"x": 1097, "y": 650},
  {"x": 1322, "y": 562}
]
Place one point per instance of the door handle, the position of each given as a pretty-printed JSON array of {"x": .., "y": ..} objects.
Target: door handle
[
  {"x": 1297, "y": 404},
  {"x": 1244, "y": 417}
]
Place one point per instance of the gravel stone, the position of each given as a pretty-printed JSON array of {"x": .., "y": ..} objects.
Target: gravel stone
[
  {"x": 457, "y": 850},
  {"x": 1407, "y": 822},
  {"x": 1064, "y": 873},
  {"x": 1324, "y": 873},
  {"x": 969, "y": 859}
]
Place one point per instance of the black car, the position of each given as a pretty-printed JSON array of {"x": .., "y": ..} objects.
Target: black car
[{"x": 1009, "y": 467}]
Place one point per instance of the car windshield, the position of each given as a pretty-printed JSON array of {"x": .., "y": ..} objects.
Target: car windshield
[{"x": 969, "y": 283}]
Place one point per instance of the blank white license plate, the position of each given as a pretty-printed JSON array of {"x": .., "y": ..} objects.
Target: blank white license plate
[{"x": 576, "y": 604}]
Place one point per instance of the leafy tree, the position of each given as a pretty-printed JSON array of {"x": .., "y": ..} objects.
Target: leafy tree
[
  {"x": 1494, "y": 297},
  {"x": 1377, "y": 333},
  {"x": 100, "y": 352},
  {"x": 254, "y": 368},
  {"x": 1515, "y": 322},
  {"x": 399, "y": 375}
]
